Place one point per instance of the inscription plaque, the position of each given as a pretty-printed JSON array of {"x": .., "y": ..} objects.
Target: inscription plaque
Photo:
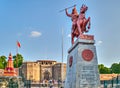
[{"x": 87, "y": 74}]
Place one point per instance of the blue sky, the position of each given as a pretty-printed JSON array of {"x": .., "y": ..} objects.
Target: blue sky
[{"x": 37, "y": 25}]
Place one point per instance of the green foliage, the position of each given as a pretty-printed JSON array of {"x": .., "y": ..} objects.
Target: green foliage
[
  {"x": 18, "y": 60},
  {"x": 115, "y": 68},
  {"x": 3, "y": 62},
  {"x": 103, "y": 69}
]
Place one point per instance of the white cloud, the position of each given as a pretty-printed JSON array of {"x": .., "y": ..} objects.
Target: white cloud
[
  {"x": 69, "y": 35},
  {"x": 35, "y": 34},
  {"x": 99, "y": 43}
]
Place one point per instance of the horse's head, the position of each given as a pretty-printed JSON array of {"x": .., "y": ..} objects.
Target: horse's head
[{"x": 83, "y": 8}]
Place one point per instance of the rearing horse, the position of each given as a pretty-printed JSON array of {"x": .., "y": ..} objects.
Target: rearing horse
[
  {"x": 82, "y": 21},
  {"x": 79, "y": 22}
]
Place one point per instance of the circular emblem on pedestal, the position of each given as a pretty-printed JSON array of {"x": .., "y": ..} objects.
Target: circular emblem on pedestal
[
  {"x": 70, "y": 61},
  {"x": 87, "y": 55}
]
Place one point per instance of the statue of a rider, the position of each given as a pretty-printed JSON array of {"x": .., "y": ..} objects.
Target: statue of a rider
[{"x": 79, "y": 22}]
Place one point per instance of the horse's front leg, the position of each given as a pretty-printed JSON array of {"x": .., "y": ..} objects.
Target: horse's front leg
[{"x": 86, "y": 21}]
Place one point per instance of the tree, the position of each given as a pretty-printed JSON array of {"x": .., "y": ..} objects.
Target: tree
[
  {"x": 3, "y": 62},
  {"x": 103, "y": 69},
  {"x": 115, "y": 68},
  {"x": 18, "y": 60}
]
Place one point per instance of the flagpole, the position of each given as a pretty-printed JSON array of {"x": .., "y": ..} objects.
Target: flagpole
[
  {"x": 16, "y": 55},
  {"x": 62, "y": 59},
  {"x": 16, "y": 48}
]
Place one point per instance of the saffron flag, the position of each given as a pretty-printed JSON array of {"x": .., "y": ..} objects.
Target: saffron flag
[{"x": 18, "y": 44}]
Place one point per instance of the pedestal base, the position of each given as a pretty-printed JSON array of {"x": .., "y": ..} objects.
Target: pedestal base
[{"x": 82, "y": 65}]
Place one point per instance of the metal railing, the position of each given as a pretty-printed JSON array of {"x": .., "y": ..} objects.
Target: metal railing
[{"x": 113, "y": 83}]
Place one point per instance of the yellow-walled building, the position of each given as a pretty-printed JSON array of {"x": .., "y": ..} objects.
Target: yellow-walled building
[{"x": 43, "y": 70}]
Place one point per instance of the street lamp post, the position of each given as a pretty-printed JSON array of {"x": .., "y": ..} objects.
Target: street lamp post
[
  {"x": 112, "y": 81},
  {"x": 105, "y": 84},
  {"x": 58, "y": 81},
  {"x": 117, "y": 80}
]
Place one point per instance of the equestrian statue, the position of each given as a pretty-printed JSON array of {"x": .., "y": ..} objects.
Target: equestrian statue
[{"x": 80, "y": 24}]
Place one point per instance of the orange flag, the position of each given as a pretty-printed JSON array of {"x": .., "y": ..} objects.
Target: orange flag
[{"x": 18, "y": 44}]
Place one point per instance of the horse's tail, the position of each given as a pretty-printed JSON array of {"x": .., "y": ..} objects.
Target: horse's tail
[{"x": 88, "y": 27}]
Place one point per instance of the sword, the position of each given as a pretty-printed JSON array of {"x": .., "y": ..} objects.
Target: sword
[{"x": 67, "y": 8}]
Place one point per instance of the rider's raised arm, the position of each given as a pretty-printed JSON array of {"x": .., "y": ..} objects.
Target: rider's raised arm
[{"x": 67, "y": 13}]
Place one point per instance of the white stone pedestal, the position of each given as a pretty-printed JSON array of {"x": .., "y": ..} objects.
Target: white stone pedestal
[{"x": 82, "y": 65}]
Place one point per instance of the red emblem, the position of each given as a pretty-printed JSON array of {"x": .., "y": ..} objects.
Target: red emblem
[
  {"x": 70, "y": 61},
  {"x": 87, "y": 55}
]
